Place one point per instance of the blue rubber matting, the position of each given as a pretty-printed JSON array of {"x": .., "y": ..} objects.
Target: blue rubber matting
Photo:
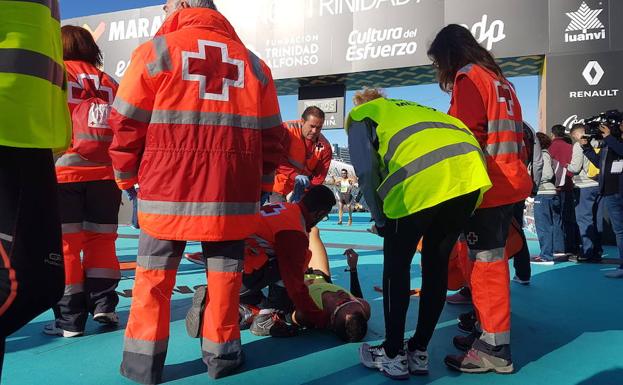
[{"x": 567, "y": 329}]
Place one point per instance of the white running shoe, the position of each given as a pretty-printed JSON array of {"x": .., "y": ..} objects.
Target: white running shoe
[
  {"x": 618, "y": 273},
  {"x": 53, "y": 330},
  {"x": 374, "y": 357},
  {"x": 106, "y": 318},
  {"x": 521, "y": 281},
  {"x": 418, "y": 361}
]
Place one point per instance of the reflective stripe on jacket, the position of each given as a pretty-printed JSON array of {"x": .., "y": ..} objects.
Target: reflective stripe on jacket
[
  {"x": 196, "y": 123},
  {"x": 503, "y": 151},
  {"x": 425, "y": 157},
  {"x": 33, "y": 98}
]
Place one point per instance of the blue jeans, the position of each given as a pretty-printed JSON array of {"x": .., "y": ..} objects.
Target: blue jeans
[
  {"x": 569, "y": 225},
  {"x": 614, "y": 205},
  {"x": 589, "y": 212},
  {"x": 548, "y": 221}
]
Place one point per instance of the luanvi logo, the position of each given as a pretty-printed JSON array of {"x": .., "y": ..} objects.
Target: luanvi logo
[
  {"x": 582, "y": 21},
  {"x": 593, "y": 73}
]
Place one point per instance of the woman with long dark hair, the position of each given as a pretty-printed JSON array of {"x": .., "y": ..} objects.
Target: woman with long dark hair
[
  {"x": 88, "y": 195},
  {"x": 486, "y": 102}
]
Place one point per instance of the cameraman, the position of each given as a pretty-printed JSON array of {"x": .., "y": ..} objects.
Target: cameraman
[
  {"x": 589, "y": 205},
  {"x": 610, "y": 164}
]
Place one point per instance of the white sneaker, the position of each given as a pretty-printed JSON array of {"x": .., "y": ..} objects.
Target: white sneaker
[
  {"x": 374, "y": 357},
  {"x": 53, "y": 330},
  {"x": 618, "y": 273},
  {"x": 106, "y": 318},
  {"x": 520, "y": 281},
  {"x": 418, "y": 361}
]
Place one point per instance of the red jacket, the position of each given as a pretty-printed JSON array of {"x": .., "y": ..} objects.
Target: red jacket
[
  {"x": 84, "y": 81},
  {"x": 283, "y": 233},
  {"x": 303, "y": 157},
  {"x": 502, "y": 137},
  {"x": 562, "y": 152},
  {"x": 196, "y": 124}
]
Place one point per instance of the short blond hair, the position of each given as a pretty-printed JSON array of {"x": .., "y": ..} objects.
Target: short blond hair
[{"x": 367, "y": 94}]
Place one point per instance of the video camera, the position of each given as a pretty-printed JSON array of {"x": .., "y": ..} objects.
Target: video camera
[{"x": 611, "y": 119}]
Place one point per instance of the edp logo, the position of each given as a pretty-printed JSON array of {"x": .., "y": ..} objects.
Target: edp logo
[{"x": 491, "y": 34}]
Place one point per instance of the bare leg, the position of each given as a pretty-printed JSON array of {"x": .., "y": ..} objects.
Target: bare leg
[
  {"x": 319, "y": 259},
  {"x": 340, "y": 213}
]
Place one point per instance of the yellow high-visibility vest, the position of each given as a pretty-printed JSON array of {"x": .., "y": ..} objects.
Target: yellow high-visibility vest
[
  {"x": 33, "y": 91},
  {"x": 427, "y": 157}
]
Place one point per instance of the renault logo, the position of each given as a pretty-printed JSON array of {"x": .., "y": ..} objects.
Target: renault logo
[{"x": 593, "y": 73}]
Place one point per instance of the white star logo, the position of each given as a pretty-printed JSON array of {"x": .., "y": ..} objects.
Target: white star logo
[{"x": 584, "y": 19}]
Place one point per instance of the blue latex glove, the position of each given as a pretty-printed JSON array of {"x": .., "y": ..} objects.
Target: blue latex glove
[
  {"x": 131, "y": 193},
  {"x": 302, "y": 180},
  {"x": 264, "y": 198}
]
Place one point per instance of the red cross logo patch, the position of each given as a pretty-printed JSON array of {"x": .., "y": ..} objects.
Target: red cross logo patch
[
  {"x": 505, "y": 96},
  {"x": 215, "y": 71},
  {"x": 472, "y": 238},
  {"x": 270, "y": 210},
  {"x": 75, "y": 90}
]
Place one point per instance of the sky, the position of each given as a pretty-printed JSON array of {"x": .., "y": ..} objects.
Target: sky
[{"x": 429, "y": 95}]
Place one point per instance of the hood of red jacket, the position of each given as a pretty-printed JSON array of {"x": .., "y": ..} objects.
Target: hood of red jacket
[{"x": 198, "y": 18}]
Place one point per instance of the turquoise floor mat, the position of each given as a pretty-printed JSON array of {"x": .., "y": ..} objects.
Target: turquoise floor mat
[{"x": 567, "y": 330}]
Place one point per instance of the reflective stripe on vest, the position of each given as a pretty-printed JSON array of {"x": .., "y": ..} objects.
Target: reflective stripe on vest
[
  {"x": 403, "y": 134},
  {"x": 25, "y": 62},
  {"x": 425, "y": 161},
  {"x": 32, "y": 76},
  {"x": 198, "y": 208}
]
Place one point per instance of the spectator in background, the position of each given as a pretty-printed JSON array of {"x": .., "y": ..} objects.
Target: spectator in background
[
  {"x": 561, "y": 151},
  {"x": 547, "y": 208},
  {"x": 345, "y": 186},
  {"x": 610, "y": 165},
  {"x": 534, "y": 162},
  {"x": 589, "y": 206}
]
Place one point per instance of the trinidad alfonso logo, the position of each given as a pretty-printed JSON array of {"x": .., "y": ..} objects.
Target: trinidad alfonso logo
[{"x": 583, "y": 21}]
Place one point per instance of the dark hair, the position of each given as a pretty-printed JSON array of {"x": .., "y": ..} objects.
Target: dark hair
[
  {"x": 318, "y": 198},
  {"x": 312, "y": 110},
  {"x": 559, "y": 131},
  {"x": 544, "y": 140},
  {"x": 353, "y": 328},
  {"x": 344, "y": 170},
  {"x": 577, "y": 126},
  {"x": 78, "y": 44},
  {"x": 455, "y": 47}
]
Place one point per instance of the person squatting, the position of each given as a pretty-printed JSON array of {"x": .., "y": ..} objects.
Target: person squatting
[{"x": 216, "y": 164}]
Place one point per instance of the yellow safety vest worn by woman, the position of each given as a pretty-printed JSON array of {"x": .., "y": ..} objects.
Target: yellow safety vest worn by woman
[
  {"x": 424, "y": 157},
  {"x": 33, "y": 97}
]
